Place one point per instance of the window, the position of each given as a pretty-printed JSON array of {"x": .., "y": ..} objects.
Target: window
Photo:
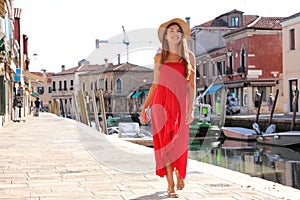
[
  {"x": 83, "y": 87},
  {"x": 111, "y": 85},
  {"x": 292, "y": 39},
  {"x": 60, "y": 86},
  {"x": 106, "y": 85},
  {"x": 71, "y": 83},
  {"x": 92, "y": 86},
  {"x": 49, "y": 90},
  {"x": 219, "y": 68},
  {"x": 53, "y": 86},
  {"x": 224, "y": 67},
  {"x": 213, "y": 69},
  {"x": 101, "y": 83},
  {"x": 234, "y": 22},
  {"x": 243, "y": 58},
  {"x": 230, "y": 64},
  {"x": 204, "y": 69},
  {"x": 198, "y": 76},
  {"x": 65, "y": 85},
  {"x": 118, "y": 84},
  {"x": 40, "y": 89}
]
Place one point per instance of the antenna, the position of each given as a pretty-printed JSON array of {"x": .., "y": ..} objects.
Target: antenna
[{"x": 126, "y": 42}]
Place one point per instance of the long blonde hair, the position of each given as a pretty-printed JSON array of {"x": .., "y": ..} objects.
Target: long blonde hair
[{"x": 184, "y": 50}]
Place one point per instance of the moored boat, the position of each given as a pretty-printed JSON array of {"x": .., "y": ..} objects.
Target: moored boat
[
  {"x": 239, "y": 133},
  {"x": 271, "y": 137}
]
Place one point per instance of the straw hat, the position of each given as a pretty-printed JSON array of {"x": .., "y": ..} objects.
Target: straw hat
[{"x": 185, "y": 27}]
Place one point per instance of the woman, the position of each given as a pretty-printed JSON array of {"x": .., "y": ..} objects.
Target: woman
[{"x": 171, "y": 98}]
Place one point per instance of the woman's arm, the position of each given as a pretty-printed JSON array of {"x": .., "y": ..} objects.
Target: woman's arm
[
  {"x": 149, "y": 98},
  {"x": 191, "y": 89}
]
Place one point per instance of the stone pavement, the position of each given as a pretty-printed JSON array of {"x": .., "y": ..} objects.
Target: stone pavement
[{"x": 55, "y": 158}]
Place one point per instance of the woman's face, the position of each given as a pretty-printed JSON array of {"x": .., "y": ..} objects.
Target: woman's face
[{"x": 174, "y": 34}]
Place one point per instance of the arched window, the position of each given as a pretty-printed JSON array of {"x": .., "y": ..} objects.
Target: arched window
[
  {"x": 243, "y": 58},
  {"x": 83, "y": 86},
  {"x": 106, "y": 84},
  {"x": 118, "y": 84}
]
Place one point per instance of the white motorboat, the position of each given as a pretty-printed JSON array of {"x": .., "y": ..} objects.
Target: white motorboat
[
  {"x": 131, "y": 132},
  {"x": 239, "y": 133},
  {"x": 271, "y": 137}
]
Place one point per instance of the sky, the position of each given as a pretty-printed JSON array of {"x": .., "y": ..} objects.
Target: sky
[{"x": 63, "y": 32}]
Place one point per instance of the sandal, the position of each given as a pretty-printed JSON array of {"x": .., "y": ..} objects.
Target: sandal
[
  {"x": 172, "y": 193},
  {"x": 180, "y": 182}
]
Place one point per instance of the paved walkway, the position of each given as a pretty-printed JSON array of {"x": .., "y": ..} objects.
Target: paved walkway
[{"x": 55, "y": 158}]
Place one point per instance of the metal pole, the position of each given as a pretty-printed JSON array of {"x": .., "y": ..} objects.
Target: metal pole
[
  {"x": 273, "y": 107},
  {"x": 259, "y": 105}
]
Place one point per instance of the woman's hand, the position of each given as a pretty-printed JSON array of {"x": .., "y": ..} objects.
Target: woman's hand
[
  {"x": 189, "y": 118},
  {"x": 144, "y": 115}
]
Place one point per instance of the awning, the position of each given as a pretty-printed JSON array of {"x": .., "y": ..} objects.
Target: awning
[
  {"x": 213, "y": 89},
  {"x": 35, "y": 95},
  {"x": 137, "y": 94}
]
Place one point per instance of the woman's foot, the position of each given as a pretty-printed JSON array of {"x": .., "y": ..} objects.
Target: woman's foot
[
  {"x": 180, "y": 182},
  {"x": 172, "y": 193}
]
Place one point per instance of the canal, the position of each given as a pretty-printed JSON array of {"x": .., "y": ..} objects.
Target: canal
[{"x": 273, "y": 163}]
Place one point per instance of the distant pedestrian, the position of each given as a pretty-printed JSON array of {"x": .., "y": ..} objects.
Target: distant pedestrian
[
  {"x": 37, "y": 103},
  {"x": 171, "y": 98},
  {"x": 270, "y": 102},
  {"x": 17, "y": 105},
  {"x": 256, "y": 99}
]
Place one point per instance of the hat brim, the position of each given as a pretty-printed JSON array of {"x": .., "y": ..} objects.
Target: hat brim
[{"x": 185, "y": 27}]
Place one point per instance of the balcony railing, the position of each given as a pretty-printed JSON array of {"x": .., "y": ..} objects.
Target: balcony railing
[
  {"x": 229, "y": 71},
  {"x": 241, "y": 70}
]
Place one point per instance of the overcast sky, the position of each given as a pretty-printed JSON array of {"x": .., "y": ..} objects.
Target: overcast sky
[{"x": 63, "y": 32}]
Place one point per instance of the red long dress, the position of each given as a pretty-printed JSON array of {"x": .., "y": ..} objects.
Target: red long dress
[{"x": 168, "y": 119}]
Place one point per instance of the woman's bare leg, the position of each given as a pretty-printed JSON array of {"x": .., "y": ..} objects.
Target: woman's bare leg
[{"x": 171, "y": 184}]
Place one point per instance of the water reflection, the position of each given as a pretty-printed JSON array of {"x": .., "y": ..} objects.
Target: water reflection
[{"x": 278, "y": 164}]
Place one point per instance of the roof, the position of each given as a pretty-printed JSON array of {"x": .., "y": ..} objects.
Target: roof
[
  {"x": 219, "y": 22},
  {"x": 67, "y": 71},
  {"x": 291, "y": 17},
  {"x": 124, "y": 67},
  {"x": 231, "y": 12},
  {"x": 261, "y": 23},
  {"x": 48, "y": 75},
  {"x": 127, "y": 67},
  {"x": 87, "y": 67}
]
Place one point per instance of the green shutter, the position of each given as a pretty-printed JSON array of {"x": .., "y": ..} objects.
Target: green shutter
[{"x": 2, "y": 96}]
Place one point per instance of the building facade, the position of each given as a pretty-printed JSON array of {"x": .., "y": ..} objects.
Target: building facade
[
  {"x": 124, "y": 86},
  {"x": 291, "y": 65},
  {"x": 248, "y": 58}
]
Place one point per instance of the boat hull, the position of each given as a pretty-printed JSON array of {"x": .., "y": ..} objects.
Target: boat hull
[
  {"x": 239, "y": 133},
  {"x": 288, "y": 138}
]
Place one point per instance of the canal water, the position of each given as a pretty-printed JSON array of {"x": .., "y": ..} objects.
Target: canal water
[{"x": 273, "y": 163}]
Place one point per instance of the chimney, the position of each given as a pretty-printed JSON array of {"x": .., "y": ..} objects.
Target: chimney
[
  {"x": 44, "y": 74},
  {"x": 187, "y": 19},
  {"x": 105, "y": 61},
  {"x": 119, "y": 59},
  {"x": 97, "y": 43},
  {"x": 63, "y": 68}
]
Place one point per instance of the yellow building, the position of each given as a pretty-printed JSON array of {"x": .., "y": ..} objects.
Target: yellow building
[{"x": 291, "y": 64}]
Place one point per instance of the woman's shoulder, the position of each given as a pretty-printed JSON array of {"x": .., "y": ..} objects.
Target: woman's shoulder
[{"x": 157, "y": 58}]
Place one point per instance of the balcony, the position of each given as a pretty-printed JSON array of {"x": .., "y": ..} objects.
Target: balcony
[
  {"x": 241, "y": 70},
  {"x": 229, "y": 71}
]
